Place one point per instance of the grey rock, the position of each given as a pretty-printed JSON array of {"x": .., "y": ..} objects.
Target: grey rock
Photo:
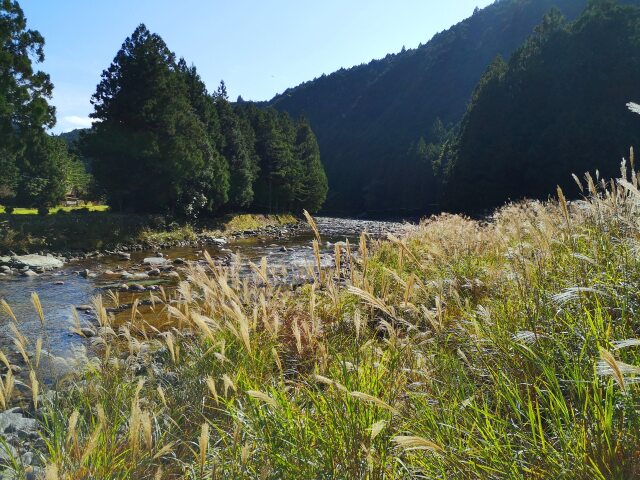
[
  {"x": 88, "y": 332},
  {"x": 37, "y": 262},
  {"x": 134, "y": 276},
  {"x": 29, "y": 273},
  {"x": 155, "y": 261},
  {"x": 154, "y": 272},
  {"x": 13, "y": 422}
]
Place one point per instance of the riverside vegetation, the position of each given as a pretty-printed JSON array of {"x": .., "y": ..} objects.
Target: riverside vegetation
[
  {"x": 83, "y": 231},
  {"x": 501, "y": 348}
]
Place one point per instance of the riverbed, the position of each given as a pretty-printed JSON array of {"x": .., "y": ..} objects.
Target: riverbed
[{"x": 61, "y": 292}]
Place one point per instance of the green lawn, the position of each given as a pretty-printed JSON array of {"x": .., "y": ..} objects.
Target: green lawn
[{"x": 34, "y": 211}]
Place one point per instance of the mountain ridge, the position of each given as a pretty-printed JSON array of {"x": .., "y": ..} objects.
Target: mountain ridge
[{"x": 368, "y": 117}]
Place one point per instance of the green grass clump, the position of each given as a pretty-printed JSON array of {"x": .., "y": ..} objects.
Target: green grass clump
[
  {"x": 244, "y": 222},
  {"x": 463, "y": 349},
  {"x": 172, "y": 235}
]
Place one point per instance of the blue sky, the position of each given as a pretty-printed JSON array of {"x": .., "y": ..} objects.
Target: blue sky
[{"x": 259, "y": 47}]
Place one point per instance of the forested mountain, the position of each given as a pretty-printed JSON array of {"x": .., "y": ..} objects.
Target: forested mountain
[
  {"x": 380, "y": 125},
  {"x": 162, "y": 143},
  {"x": 71, "y": 138},
  {"x": 556, "y": 108}
]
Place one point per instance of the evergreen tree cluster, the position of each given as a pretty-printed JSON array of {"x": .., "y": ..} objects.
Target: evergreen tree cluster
[
  {"x": 557, "y": 108},
  {"x": 36, "y": 169},
  {"x": 162, "y": 143}
]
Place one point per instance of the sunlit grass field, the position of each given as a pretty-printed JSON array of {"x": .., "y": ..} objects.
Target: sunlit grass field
[{"x": 53, "y": 210}]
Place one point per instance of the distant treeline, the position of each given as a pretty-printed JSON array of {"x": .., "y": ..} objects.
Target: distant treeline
[{"x": 161, "y": 142}]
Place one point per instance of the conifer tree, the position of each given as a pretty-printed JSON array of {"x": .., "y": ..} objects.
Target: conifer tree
[
  {"x": 242, "y": 165},
  {"x": 24, "y": 93},
  {"x": 313, "y": 186},
  {"x": 149, "y": 146}
]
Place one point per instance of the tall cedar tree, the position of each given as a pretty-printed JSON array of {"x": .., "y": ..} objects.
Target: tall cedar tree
[
  {"x": 279, "y": 179},
  {"x": 208, "y": 192},
  {"x": 25, "y": 114},
  {"x": 150, "y": 149},
  {"x": 242, "y": 164},
  {"x": 313, "y": 187}
]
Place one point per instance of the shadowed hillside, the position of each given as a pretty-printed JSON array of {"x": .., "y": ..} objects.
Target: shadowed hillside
[{"x": 370, "y": 119}]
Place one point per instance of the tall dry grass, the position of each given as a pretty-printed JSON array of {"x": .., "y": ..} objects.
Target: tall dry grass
[{"x": 502, "y": 348}]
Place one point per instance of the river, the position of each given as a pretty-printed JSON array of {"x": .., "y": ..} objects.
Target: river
[{"x": 61, "y": 291}]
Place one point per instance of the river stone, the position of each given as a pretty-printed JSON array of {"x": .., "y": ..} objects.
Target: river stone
[
  {"x": 88, "y": 332},
  {"x": 155, "y": 261},
  {"x": 29, "y": 273},
  {"x": 154, "y": 272},
  {"x": 13, "y": 422},
  {"x": 134, "y": 276},
  {"x": 5, "y": 260},
  {"x": 37, "y": 262}
]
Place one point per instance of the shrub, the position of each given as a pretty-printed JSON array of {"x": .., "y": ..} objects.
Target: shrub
[{"x": 43, "y": 211}]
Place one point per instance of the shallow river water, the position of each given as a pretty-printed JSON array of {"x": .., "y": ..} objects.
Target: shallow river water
[{"x": 61, "y": 291}]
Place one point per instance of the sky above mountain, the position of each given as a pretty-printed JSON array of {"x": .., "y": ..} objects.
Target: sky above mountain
[{"x": 259, "y": 48}]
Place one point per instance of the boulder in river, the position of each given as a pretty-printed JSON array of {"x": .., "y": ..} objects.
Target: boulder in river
[
  {"x": 155, "y": 261},
  {"x": 134, "y": 276},
  {"x": 29, "y": 273},
  {"x": 36, "y": 262}
]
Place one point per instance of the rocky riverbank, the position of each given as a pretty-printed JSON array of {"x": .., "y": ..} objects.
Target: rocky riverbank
[{"x": 133, "y": 273}]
